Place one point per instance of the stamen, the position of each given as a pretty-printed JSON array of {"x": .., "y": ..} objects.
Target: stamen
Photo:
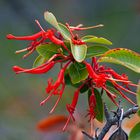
[
  {"x": 27, "y": 54},
  {"x": 117, "y": 85},
  {"x": 86, "y": 28},
  {"x": 44, "y": 101},
  {"x": 66, "y": 124},
  {"x": 111, "y": 96},
  {"x": 124, "y": 96},
  {"x": 23, "y": 50},
  {"x": 37, "y": 22},
  {"x": 61, "y": 92}
]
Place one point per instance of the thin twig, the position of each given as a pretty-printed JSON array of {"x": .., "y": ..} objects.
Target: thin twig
[{"x": 112, "y": 121}]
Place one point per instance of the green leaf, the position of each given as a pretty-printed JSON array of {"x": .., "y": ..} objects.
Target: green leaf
[
  {"x": 79, "y": 52},
  {"x": 138, "y": 112},
  {"x": 122, "y": 56},
  {"x": 64, "y": 31},
  {"x": 65, "y": 52},
  {"x": 48, "y": 50},
  {"x": 94, "y": 39},
  {"x": 99, "y": 106},
  {"x": 38, "y": 61},
  {"x": 84, "y": 88},
  {"x": 135, "y": 132},
  {"x": 68, "y": 81},
  {"x": 96, "y": 51},
  {"x": 51, "y": 19},
  {"x": 138, "y": 94},
  {"x": 77, "y": 72}
]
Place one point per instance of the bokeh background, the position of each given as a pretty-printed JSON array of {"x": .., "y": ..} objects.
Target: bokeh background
[{"x": 20, "y": 95}]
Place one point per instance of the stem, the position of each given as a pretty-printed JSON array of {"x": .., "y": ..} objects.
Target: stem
[{"x": 112, "y": 121}]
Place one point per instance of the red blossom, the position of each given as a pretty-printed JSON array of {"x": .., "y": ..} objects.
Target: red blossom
[
  {"x": 57, "y": 88},
  {"x": 71, "y": 107},
  {"x": 38, "y": 38},
  {"x": 38, "y": 70},
  {"x": 92, "y": 105},
  {"x": 100, "y": 75}
]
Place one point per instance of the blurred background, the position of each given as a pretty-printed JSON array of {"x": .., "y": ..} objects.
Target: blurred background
[{"x": 20, "y": 95}]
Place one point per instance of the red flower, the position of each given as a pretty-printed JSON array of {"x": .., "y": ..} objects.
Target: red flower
[
  {"x": 37, "y": 39},
  {"x": 38, "y": 70},
  {"x": 71, "y": 107},
  {"x": 53, "y": 89},
  {"x": 92, "y": 105},
  {"x": 100, "y": 75}
]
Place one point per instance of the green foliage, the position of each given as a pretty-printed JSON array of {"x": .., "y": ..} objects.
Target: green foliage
[
  {"x": 77, "y": 72},
  {"x": 99, "y": 109},
  {"x": 138, "y": 95},
  {"x": 51, "y": 19},
  {"x": 48, "y": 50},
  {"x": 138, "y": 112},
  {"x": 79, "y": 52},
  {"x": 84, "y": 88},
  {"x": 94, "y": 39},
  {"x": 135, "y": 132},
  {"x": 95, "y": 50},
  {"x": 38, "y": 61},
  {"x": 125, "y": 57},
  {"x": 64, "y": 31}
]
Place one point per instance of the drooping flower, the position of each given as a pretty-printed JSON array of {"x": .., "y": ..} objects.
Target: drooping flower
[
  {"x": 92, "y": 105},
  {"x": 57, "y": 88},
  {"x": 38, "y": 38},
  {"x": 100, "y": 75}
]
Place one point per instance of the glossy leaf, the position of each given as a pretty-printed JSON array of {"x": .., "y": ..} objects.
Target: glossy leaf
[
  {"x": 77, "y": 72},
  {"x": 135, "y": 132},
  {"x": 79, "y": 52},
  {"x": 51, "y": 19},
  {"x": 125, "y": 57},
  {"x": 38, "y": 61},
  {"x": 68, "y": 81},
  {"x": 48, "y": 50},
  {"x": 96, "y": 51},
  {"x": 138, "y": 95},
  {"x": 65, "y": 52},
  {"x": 99, "y": 106},
  {"x": 64, "y": 31},
  {"x": 94, "y": 39}
]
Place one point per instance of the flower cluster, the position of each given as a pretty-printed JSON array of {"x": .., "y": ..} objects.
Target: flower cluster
[
  {"x": 39, "y": 38},
  {"x": 97, "y": 75}
]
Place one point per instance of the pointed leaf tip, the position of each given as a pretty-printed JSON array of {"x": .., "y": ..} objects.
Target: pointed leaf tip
[
  {"x": 124, "y": 57},
  {"x": 51, "y": 19}
]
